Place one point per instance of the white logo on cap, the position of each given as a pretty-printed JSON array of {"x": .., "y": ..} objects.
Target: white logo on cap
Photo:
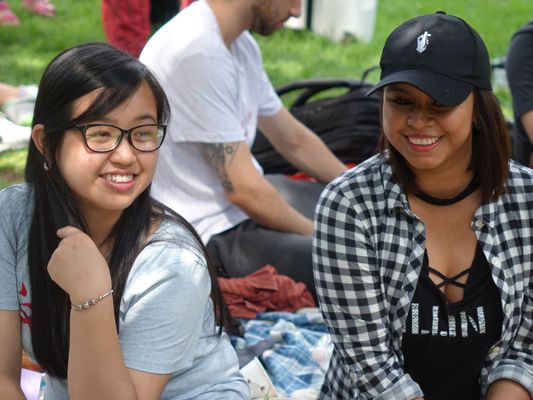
[{"x": 422, "y": 42}]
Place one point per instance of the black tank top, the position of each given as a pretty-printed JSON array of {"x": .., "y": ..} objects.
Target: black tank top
[{"x": 444, "y": 344}]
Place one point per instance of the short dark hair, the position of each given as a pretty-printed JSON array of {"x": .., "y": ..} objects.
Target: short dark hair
[
  {"x": 491, "y": 148},
  {"x": 69, "y": 76}
]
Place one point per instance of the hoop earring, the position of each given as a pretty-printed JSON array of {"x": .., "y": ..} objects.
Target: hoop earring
[{"x": 47, "y": 167}]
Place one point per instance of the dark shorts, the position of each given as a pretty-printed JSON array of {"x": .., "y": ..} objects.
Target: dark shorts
[{"x": 247, "y": 247}]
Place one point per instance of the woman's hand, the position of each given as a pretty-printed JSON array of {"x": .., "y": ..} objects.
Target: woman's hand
[{"x": 78, "y": 267}]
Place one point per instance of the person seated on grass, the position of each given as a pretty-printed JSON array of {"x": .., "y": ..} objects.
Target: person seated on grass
[
  {"x": 422, "y": 253},
  {"x": 211, "y": 68},
  {"x": 519, "y": 68},
  {"x": 106, "y": 289}
]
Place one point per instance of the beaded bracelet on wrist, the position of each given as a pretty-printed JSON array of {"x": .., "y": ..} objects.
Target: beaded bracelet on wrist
[{"x": 91, "y": 302}]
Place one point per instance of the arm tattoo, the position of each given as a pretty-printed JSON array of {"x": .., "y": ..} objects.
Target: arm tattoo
[{"x": 219, "y": 156}]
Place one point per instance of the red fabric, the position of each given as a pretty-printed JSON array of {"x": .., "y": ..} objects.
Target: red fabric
[
  {"x": 264, "y": 290},
  {"x": 185, "y": 3},
  {"x": 127, "y": 24},
  {"x": 300, "y": 176}
]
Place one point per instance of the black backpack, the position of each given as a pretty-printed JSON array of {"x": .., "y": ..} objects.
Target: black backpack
[{"x": 348, "y": 123}]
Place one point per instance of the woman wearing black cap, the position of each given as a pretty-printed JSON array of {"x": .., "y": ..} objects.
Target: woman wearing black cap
[{"x": 423, "y": 253}]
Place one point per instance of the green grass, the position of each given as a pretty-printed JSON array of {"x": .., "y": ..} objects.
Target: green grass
[
  {"x": 27, "y": 49},
  {"x": 288, "y": 55},
  {"x": 292, "y": 55},
  {"x": 12, "y": 166}
]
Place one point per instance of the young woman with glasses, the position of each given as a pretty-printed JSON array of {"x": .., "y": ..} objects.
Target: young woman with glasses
[{"x": 106, "y": 289}]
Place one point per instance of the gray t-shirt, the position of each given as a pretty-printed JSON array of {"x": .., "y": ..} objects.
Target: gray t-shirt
[{"x": 166, "y": 315}]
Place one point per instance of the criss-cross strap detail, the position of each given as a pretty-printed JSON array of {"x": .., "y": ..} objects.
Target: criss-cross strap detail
[{"x": 452, "y": 280}]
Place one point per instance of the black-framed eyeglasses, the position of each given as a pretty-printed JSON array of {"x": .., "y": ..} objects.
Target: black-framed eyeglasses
[{"x": 103, "y": 138}]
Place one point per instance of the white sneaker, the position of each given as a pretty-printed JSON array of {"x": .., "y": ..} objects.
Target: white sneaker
[
  {"x": 12, "y": 135},
  {"x": 19, "y": 109}
]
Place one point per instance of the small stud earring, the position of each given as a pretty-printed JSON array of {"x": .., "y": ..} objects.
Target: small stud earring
[{"x": 46, "y": 166}]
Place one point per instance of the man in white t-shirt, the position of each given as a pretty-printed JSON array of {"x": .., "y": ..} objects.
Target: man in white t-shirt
[{"x": 211, "y": 69}]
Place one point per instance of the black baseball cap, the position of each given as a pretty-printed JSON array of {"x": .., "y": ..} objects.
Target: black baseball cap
[{"x": 439, "y": 54}]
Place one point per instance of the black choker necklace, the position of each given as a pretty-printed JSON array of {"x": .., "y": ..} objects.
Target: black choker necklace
[{"x": 470, "y": 188}]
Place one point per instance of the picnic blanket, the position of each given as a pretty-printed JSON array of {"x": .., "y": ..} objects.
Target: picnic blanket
[
  {"x": 298, "y": 359},
  {"x": 298, "y": 352}
]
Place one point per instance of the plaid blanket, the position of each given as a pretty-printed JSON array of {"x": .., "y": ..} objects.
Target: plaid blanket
[{"x": 300, "y": 354}]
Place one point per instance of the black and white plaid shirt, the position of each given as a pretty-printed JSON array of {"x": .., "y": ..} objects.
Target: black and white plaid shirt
[{"x": 367, "y": 254}]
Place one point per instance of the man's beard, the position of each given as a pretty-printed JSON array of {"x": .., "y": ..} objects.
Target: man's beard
[{"x": 262, "y": 19}]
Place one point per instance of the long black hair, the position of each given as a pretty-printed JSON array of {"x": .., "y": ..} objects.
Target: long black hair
[{"x": 69, "y": 76}]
